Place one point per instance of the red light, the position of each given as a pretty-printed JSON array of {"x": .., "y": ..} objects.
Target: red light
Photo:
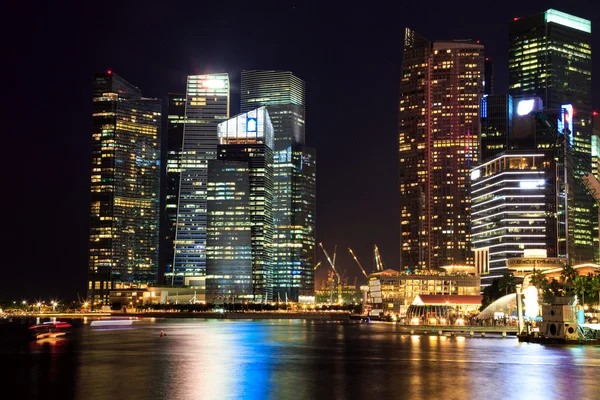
[
  {"x": 487, "y": 59},
  {"x": 595, "y": 113},
  {"x": 515, "y": 18},
  {"x": 108, "y": 71}
]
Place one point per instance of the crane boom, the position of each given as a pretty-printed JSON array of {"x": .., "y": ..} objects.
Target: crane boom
[
  {"x": 593, "y": 185},
  {"x": 317, "y": 266},
  {"x": 358, "y": 262},
  {"x": 330, "y": 262},
  {"x": 378, "y": 260}
]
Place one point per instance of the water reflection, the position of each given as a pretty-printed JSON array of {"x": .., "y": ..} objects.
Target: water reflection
[{"x": 200, "y": 359}]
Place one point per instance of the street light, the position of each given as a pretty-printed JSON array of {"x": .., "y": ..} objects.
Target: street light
[{"x": 39, "y": 306}]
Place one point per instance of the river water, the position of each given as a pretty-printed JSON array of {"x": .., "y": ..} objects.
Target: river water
[{"x": 295, "y": 359}]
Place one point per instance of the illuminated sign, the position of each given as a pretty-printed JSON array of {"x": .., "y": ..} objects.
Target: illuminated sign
[
  {"x": 568, "y": 20},
  {"x": 524, "y": 107},
  {"x": 251, "y": 125},
  {"x": 565, "y": 122},
  {"x": 213, "y": 83},
  {"x": 475, "y": 174},
  {"x": 531, "y": 184}
]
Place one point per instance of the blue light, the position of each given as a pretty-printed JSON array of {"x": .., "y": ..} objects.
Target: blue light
[
  {"x": 251, "y": 125},
  {"x": 484, "y": 106}
]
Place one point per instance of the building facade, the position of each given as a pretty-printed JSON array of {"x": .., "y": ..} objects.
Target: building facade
[
  {"x": 440, "y": 93},
  {"x": 207, "y": 105},
  {"x": 125, "y": 186},
  {"x": 496, "y": 124},
  {"x": 175, "y": 124},
  {"x": 246, "y": 139},
  {"x": 294, "y": 166},
  {"x": 550, "y": 56}
]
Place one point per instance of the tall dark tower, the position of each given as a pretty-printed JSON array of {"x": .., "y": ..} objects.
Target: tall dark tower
[
  {"x": 294, "y": 190},
  {"x": 175, "y": 123},
  {"x": 550, "y": 56},
  {"x": 440, "y": 92},
  {"x": 496, "y": 113},
  {"x": 125, "y": 185}
]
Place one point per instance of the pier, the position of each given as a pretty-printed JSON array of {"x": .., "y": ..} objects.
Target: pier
[{"x": 471, "y": 330}]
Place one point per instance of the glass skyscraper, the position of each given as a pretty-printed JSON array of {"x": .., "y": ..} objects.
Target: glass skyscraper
[
  {"x": 247, "y": 139},
  {"x": 294, "y": 165},
  {"x": 125, "y": 185},
  {"x": 440, "y": 92},
  {"x": 206, "y": 105},
  {"x": 496, "y": 124},
  {"x": 175, "y": 124},
  {"x": 550, "y": 56}
]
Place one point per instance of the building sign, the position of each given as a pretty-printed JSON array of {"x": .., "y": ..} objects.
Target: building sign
[{"x": 251, "y": 125}]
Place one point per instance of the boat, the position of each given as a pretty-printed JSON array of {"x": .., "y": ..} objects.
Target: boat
[
  {"x": 49, "y": 330},
  {"x": 112, "y": 322}
]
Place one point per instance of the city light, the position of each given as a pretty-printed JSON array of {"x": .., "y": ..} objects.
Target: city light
[{"x": 524, "y": 107}]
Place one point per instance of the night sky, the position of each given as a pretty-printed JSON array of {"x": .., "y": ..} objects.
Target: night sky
[{"x": 350, "y": 58}]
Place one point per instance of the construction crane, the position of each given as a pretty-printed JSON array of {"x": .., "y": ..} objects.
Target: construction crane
[
  {"x": 317, "y": 266},
  {"x": 378, "y": 262},
  {"x": 332, "y": 263},
  {"x": 358, "y": 262}
]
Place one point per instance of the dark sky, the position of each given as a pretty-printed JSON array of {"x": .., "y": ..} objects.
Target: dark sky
[{"x": 350, "y": 58}]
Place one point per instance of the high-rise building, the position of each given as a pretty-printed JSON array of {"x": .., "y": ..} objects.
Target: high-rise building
[
  {"x": 496, "y": 124},
  {"x": 440, "y": 93},
  {"x": 488, "y": 82},
  {"x": 550, "y": 56},
  {"x": 125, "y": 185},
  {"x": 229, "y": 236},
  {"x": 206, "y": 105},
  {"x": 294, "y": 165},
  {"x": 246, "y": 139},
  {"x": 175, "y": 123},
  {"x": 522, "y": 198}
]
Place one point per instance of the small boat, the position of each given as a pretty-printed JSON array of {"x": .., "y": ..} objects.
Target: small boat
[
  {"x": 112, "y": 322},
  {"x": 49, "y": 330}
]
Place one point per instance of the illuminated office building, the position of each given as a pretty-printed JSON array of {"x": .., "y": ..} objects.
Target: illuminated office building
[
  {"x": 523, "y": 198},
  {"x": 207, "y": 104},
  {"x": 496, "y": 124},
  {"x": 175, "y": 123},
  {"x": 125, "y": 185},
  {"x": 550, "y": 56},
  {"x": 240, "y": 204},
  {"x": 440, "y": 92},
  {"x": 294, "y": 191},
  {"x": 228, "y": 235}
]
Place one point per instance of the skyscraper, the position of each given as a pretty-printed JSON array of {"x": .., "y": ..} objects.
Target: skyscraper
[
  {"x": 175, "y": 123},
  {"x": 550, "y": 56},
  {"x": 207, "y": 104},
  {"x": 440, "y": 92},
  {"x": 125, "y": 185},
  {"x": 294, "y": 206},
  {"x": 246, "y": 139},
  {"x": 496, "y": 113}
]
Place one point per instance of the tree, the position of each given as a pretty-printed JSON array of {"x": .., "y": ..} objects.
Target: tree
[
  {"x": 538, "y": 279},
  {"x": 580, "y": 285},
  {"x": 595, "y": 287},
  {"x": 567, "y": 278},
  {"x": 552, "y": 289},
  {"x": 507, "y": 283}
]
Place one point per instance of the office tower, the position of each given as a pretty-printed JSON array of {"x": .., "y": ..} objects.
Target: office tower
[
  {"x": 245, "y": 154},
  {"x": 228, "y": 235},
  {"x": 294, "y": 205},
  {"x": 207, "y": 104},
  {"x": 125, "y": 183},
  {"x": 550, "y": 56},
  {"x": 175, "y": 123},
  {"x": 440, "y": 92},
  {"x": 522, "y": 198},
  {"x": 596, "y": 172},
  {"x": 488, "y": 80},
  {"x": 496, "y": 124}
]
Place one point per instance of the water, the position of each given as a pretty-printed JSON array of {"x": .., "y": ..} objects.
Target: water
[{"x": 280, "y": 359}]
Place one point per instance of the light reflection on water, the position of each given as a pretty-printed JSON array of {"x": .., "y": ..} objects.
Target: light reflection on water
[{"x": 200, "y": 359}]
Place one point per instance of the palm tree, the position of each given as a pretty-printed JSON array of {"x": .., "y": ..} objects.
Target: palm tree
[
  {"x": 507, "y": 283},
  {"x": 538, "y": 279},
  {"x": 595, "y": 287},
  {"x": 567, "y": 277},
  {"x": 581, "y": 286}
]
